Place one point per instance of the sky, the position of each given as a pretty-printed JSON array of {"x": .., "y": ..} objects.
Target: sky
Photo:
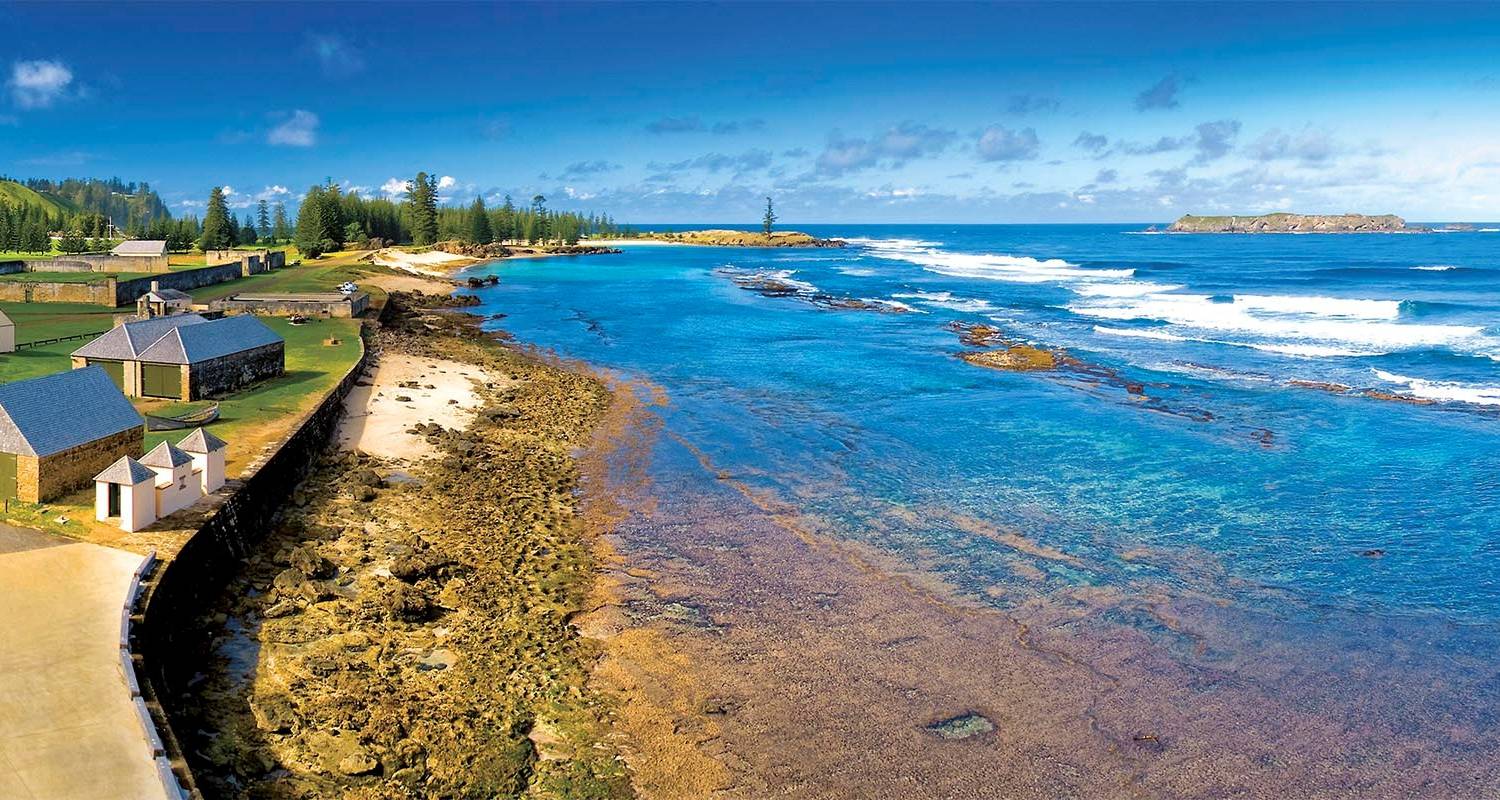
[{"x": 843, "y": 112}]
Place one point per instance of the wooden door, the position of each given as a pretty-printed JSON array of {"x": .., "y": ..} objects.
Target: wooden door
[
  {"x": 161, "y": 380},
  {"x": 7, "y": 475}
]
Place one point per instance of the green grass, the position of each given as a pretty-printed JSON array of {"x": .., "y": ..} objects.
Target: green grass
[
  {"x": 253, "y": 418},
  {"x": 70, "y": 277},
  {"x": 320, "y": 275},
  {"x": 16, "y": 194}
]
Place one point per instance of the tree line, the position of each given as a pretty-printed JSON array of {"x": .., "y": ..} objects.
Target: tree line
[{"x": 331, "y": 219}]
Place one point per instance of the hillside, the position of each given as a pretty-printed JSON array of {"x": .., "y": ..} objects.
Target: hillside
[
  {"x": 17, "y": 196},
  {"x": 1291, "y": 223}
]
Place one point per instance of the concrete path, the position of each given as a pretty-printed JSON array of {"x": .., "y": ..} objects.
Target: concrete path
[{"x": 68, "y": 730}]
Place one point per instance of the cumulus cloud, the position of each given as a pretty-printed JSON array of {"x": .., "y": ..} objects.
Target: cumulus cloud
[
  {"x": 999, "y": 143},
  {"x": 1215, "y": 139},
  {"x": 1093, "y": 142},
  {"x": 748, "y": 161},
  {"x": 895, "y": 147},
  {"x": 39, "y": 84},
  {"x": 1106, "y": 176},
  {"x": 446, "y": 182},
  {"x": 395, "y": 187},
  {"x": 1165, "y": 144},
  {"x": 338, "y": 58},
  {"x": 1162, "y": 94},
  {"x": 298, "y": 129},
  {"x": 585, "y": 169},
  {"x": 1309, "y": 147},
  {"x": 273, "y": 192},
  {"x": 1031, "y": 104}
]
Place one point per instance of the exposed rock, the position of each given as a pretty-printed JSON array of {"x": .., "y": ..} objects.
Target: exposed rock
[
  {"x": 1291, "y": 223},
  {"x": 728, "y": 238},
  {"x": 963, "y": 726}
]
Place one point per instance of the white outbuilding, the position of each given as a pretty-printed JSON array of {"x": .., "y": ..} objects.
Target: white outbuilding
[
  {"x": 164, "y": 481},
  {"x": 7, "y": 334},
  {"x": 126, "y": 489}
]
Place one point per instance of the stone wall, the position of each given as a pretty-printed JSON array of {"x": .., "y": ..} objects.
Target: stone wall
[
  {"x": 100, "y": 293},
  {"x": 127, "y": 292},
  {"x": 39, "y": 480},
  {"x": 99, "y": 262},
  {"x": 313, "y": 305},
  {"x": 168, "y": 638},
  {"x": 221, "y": 376},
  {"x": 251, "y": 262},
  {"x": 12, "y": 267}
]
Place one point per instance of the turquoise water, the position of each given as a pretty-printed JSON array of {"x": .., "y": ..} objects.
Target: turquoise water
[{"x": 1184, "y": 436}]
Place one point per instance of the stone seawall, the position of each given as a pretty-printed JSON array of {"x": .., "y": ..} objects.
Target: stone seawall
[{"x": 167, "y": 638}]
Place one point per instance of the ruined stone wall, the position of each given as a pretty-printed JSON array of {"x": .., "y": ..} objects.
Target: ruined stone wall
[
  {"x": 49, "y": 477},
  {"x": 12, "y": 267},
  {"x": 286, "y": 307},
  {"x": 100, "y": 293},
  {"x": 127, "y": 292},
  {"x": 221, "y": 376}
]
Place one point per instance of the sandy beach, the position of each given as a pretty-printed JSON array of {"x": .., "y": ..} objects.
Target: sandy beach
[{"x": 403, "y": 391}]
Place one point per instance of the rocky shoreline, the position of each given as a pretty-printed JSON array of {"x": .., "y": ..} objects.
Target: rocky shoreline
[
  {"x": 409, "y": 632},
  {"x": 1293, "y": 223},
  {"x": 728, "y": 238}
]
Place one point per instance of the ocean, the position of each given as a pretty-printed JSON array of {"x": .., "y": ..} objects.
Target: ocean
[{"x": 1272, "y": 457}]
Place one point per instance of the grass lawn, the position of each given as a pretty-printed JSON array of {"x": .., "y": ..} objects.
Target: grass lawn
[
  {"x": 319, "y": 275},
  {"x": 250, "y": 420},
  {"x": 37, "y": 321},
  {"x": 70, "y": 277}
]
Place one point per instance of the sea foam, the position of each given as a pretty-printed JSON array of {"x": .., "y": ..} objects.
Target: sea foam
[{"x": 1444, "y": 391}]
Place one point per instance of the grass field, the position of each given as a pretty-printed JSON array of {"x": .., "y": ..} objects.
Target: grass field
[
  {"x": 321, "y": 275},
  {"x": 69, "y": 277}
]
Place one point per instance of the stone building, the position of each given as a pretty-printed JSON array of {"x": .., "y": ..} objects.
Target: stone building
[
  {"x": 185, "y": 356},
  {"x": 164, "y": 481},
  {"x": 161, "y": 302},
  {"x": 7, "y": 334},
  {"x": 58, "y": 431},
  {"x": 141, "y": 248}
]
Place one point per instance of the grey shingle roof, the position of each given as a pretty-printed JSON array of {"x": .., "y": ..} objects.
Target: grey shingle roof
[
  {"x": 53, "y": 413},
  {"x": 166, "y": 455},
  {"x": 166, "y": 296},
  {"x": 127, "y": 342},
  {"x": 201, "y": 441},
  {"x": 126, "y": 472},
  {"x": 190, "y": 344},
  {"x": 141, "y": 247}
]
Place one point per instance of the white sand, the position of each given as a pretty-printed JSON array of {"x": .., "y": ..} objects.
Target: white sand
[
  {"x": 434, "y": 263},
  {"x": 375, "y": 422}
]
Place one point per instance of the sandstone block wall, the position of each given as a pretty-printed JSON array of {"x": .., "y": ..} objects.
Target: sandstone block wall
[
  {"x": 49, "y": 477},
  {"x": 221, "y": 376}
]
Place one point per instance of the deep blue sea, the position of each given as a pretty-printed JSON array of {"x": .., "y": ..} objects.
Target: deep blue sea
[{"x": 1308, "y": 424}]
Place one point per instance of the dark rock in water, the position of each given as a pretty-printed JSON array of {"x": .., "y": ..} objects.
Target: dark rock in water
[
  {"x": 1374, "y": 552},
  {"x": 963, "y": 726}
]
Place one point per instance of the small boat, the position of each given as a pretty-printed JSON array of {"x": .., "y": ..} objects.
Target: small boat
[{"x": 190, "y": 419}]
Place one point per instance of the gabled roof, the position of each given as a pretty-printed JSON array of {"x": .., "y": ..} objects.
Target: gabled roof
[
  {"x": 166, "y": 296},
  {"x": 166, "y": 456},
  {"x": 190, "y": 344},
  {"x": 127, "y": 342},
  {"x": 125, "y": 472},
  {"x": 141, "y": 247},
  {"x": 201, "y": 441},
  {"x": 53, "y": 413},
  {"x": 4, "y": 320}
]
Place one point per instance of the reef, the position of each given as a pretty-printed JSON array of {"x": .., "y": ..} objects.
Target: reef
[{"x": 778, "y": 284}]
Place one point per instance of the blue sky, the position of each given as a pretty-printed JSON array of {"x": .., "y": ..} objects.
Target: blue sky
[{"x": 1058, "y": 112}]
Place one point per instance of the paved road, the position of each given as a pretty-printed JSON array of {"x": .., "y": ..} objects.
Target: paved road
[{"x": 68, "y": 730}]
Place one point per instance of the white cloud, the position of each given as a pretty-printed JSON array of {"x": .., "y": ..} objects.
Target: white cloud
[
  {"x": 446, "y": 182},
  {"x": 273, "y": 192},
  {"x": 39, "y": 84},
  {"x": 395, "y": 187},
  {"x": 999, "y": 143},
  {"x": 298, "y": 130}
]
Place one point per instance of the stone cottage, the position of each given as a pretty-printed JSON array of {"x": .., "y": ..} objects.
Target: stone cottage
[
  {"x": 164, "y": 481},
  {"x": 186, "y": 356},
  {"x": 58, "y": 431},
  {"x": 161, "y": 302}
]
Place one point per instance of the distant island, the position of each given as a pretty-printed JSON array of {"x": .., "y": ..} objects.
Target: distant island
[
  {"x": 1283, "y": 222},
  {"x": 727, "y": 238}
]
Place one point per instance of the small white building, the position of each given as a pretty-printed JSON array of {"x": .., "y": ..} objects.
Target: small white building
[
  {"x": 207, "y": 451},
  {"x": 7, "y": 334},
  {"x": 164, "y": 481},
  {"x": 141, "y": 248}
]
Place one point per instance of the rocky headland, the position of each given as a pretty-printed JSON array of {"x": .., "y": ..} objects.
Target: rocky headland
[
  {"x": 1292, "y": 223},
  {"x": 728, "y": 238}
]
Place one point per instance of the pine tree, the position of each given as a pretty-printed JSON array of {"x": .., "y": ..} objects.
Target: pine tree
[
  {"x": 539, "y": 219},
  {"x": 263, "y": 219},
  {"x": 72, "y": 241},
  {"x": 248, "y": 233},
  {"x": 479, "y": 223},
  {"x": 770, "y": 218},
  {"x": 218, "y": 227},
  {"x": 280, "y": 229},
  {"x": 309, "y": 236},
  {"x": 424, "y": 218}
]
